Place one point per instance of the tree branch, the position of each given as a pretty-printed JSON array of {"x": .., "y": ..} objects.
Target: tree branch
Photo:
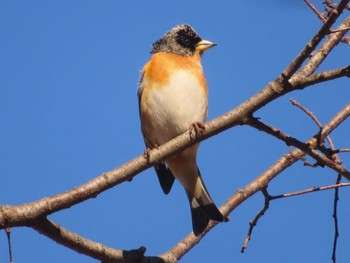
[
  {"x": 335, "y": 218},
  {"x": 311, "y": 45},
  {"x": 256, "y": 185},
  {"x": 325, "y": 49},
  {"x": 310, "y": 190},
  {"x": 254, "y": 222},
  {"x": 88, "y": 247},
  {"x": 91, "y": 248},
  {"x": 314, "y": 9},
  {"x": 323, "y": 76},
  {"x": 308, "y": 147}
]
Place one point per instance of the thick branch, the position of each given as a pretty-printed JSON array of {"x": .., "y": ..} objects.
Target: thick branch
[
  {"x": 91, "y": 248},
  {"x": 75, "y": 241}
]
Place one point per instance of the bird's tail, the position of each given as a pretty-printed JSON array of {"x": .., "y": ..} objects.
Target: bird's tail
[{"x": 203, "y": 209}]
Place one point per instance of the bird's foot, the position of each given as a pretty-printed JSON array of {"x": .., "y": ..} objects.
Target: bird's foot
[
  {"x": 147, "y": 152},
  {"x": 197, "y": 129}
]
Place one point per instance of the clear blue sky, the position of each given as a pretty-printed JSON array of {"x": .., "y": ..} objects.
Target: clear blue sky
[{"x": 68, "y": 112}]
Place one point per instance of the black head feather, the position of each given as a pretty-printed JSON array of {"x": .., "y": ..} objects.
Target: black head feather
[{"x": 180, "y": 40}]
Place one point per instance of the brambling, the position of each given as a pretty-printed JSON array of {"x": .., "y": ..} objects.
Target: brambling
[{"x": 173, "y": 97}]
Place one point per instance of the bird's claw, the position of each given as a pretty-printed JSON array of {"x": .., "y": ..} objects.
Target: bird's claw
[
  {"x": 198, "y": 128},
  {"x": 147, "y": 154}
]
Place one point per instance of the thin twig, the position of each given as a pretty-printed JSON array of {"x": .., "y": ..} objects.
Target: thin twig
[
  {"x": 314, "y": 9},
  {"x": 310, "y": 190},
  {"x": 346, "y": 40},
  {"x": 269, "y": 198},
  {"x": 254, "y": 222},
  {"x": 339, "y": 30},
  {"x": 335, "y": 218},
  {"x": 344, "y": 150},
  {"x": 8, "y": 234},
  {"x": 314, "y": 118},
  {"x": 308, "y": 112},
  {"x": 307, "y": 163}
]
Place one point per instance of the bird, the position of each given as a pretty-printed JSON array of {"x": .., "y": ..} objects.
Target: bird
[{"x": 173, "y": 98}]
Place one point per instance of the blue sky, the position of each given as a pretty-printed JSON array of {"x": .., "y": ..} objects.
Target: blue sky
[{"x": 68, "y": 112}]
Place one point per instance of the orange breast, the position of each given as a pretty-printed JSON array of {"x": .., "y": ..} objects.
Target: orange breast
[{"x": 161, "y": 65}]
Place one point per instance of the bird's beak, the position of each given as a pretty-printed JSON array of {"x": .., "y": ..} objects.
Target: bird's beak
[{"x": 203, "y": 45}]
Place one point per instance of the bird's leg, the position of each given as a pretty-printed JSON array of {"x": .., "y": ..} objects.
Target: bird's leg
[{"x": 198, "y": 128}]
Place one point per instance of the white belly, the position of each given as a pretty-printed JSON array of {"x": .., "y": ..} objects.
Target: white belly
[{"x": 177, "y": 106}]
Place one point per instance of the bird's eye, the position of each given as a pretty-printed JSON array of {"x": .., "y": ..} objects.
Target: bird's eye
[{"x": 187, "y": 41}]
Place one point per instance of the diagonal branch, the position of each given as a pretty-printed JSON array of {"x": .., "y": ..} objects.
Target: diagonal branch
[
  {"x": 314, "y": 9},
  {"x": 318, "y": 57},
  {"x": 261, "y": 182},
  {"x": 311, "y": 45},
  {"x": 308, "y": 148},
  {"x": 88, "y": 247},
  {"x": 99, "y": 251},
  {"x": 75, "y": 241}
]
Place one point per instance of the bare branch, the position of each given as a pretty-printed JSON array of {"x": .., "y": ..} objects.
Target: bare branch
[
  {"x": 269, "y": 198},
  {"x": 335, "y": 218},
  {"x": 253, "y": 223},
  {"x": 324, "y": 76},
  {"x": 88, "y": 247},
  {"x": 311, "y": 190},
  {"x": 306, "y": 52},
  {"x": 314, "y": 9},
  {"x": 345, "y": 150},
  {"x": 75, "y": 241},
  {"x": 324, "y": 50},
  {"x": 261, "y": 182},
  {"x": 346, "y": 40},
  {"x": 313, "y": 117},
  {"x": 9, "y": 243},
  {"x": 307, "y": 163},
  {"x": 308, "y": 112},
  {"x": 306, "y": 147},
  {"x": 339, "y": 29}
]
